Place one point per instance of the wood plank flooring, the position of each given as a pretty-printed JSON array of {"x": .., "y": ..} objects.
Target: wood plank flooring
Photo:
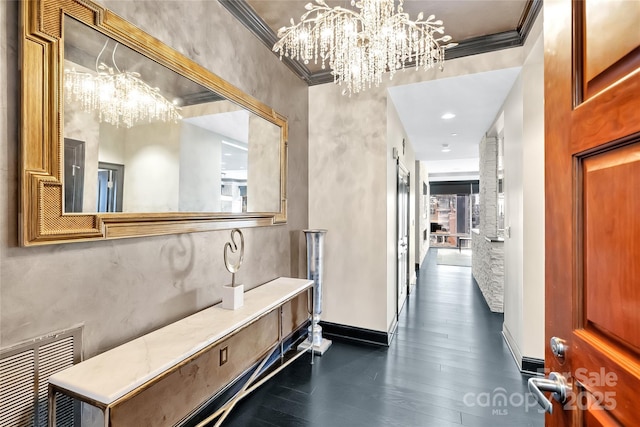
[{"x": 448, "y": 365}]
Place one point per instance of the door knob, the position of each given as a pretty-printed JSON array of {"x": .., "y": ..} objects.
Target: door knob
[
  {"x": 556, "y": 384},
  {"x": 558, "y": 347}
]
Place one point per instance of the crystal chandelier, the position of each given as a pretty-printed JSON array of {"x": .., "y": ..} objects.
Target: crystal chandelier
[
  {"x": 361, "y": 46},
  {"x": 119, "y": 97}
]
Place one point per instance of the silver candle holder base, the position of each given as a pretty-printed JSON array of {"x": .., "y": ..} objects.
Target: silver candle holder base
[{"x": 315, "y": 342}]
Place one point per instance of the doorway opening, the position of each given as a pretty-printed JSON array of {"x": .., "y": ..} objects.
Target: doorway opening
[
  {"x": 110, "y": 185},
  {"x": 73, "y": 175},
  {"x": 402, "y": 220},
  {"x": 454, "y": 211}
]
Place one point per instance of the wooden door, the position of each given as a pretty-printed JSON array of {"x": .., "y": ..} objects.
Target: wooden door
[{"x": 592, "y": 146}]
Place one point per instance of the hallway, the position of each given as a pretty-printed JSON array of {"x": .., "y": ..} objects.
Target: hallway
[{"x": 448, "y": 365}]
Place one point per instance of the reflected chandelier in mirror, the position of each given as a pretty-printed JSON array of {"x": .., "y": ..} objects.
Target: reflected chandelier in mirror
[
  {"x": 122, "y": 136},
  {"x": 119, "y": 97}
]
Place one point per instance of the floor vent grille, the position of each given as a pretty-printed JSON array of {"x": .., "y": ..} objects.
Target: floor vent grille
[{"x": 24, "y": 380}]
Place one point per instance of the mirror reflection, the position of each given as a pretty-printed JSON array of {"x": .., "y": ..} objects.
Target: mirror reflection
[{"x": 138, "y": 137}]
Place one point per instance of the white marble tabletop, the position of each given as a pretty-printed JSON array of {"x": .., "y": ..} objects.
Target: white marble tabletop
[{"x": 114, "y": 373}]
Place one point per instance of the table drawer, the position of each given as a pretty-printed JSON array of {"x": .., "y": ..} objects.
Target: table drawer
[
  {"x": 295, "y": 313},
  {"x": 175, "y": 395}
]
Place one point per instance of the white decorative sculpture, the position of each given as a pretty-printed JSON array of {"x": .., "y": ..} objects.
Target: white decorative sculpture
[{"x": 233, "y": 294}]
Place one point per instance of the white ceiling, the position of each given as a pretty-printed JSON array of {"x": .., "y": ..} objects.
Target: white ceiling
[
  {"x": 233, "y": 125},
  {"x": 475, "y": 99}
]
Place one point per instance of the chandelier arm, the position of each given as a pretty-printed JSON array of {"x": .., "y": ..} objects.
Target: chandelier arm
[
  {"x": 100, "y": 54},
  {"x": 336, "y": 11},
  {"x": 403, "y": 18},
  {"x": 320, "y": 17},
  {"x": 113, "y": 58}
]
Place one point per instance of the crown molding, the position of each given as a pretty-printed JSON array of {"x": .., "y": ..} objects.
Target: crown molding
[
  {"x": 242, "y": 11},
  {"x": 528, "y": 18}
]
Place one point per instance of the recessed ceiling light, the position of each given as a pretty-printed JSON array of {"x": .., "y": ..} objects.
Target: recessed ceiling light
[
  {"x": 447, "y": 116},
  {"x": 454, "y": 134},
  {"x": 445, "y": 148},
  {"x": 227, "y": 154},
  {"x": 238, "y": 146}
]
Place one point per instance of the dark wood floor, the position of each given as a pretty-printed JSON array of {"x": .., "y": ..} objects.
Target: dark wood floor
[{"x": 448, "y": 365}]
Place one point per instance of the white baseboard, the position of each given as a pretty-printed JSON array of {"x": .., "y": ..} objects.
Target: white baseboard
[{"x": 513, "y": 346}]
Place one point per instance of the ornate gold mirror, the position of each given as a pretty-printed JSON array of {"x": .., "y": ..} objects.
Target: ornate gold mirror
[{"x": 122, "y": 136}]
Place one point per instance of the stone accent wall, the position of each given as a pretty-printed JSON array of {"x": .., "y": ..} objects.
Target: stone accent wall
[
  {"x": 422, "y": 212},
  {"x": 488, "y": 254},
  {"x": 489, "y": 186},
  {"x": 488, "y": 270}
]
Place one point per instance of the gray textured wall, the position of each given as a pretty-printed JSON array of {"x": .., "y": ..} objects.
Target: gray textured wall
[{"x": 124, "y": 288}]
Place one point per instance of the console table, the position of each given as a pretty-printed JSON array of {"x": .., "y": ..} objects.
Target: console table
[{"x": 166, "y": 376}]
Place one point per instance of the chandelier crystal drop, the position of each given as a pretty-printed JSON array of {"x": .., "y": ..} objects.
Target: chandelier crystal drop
[
  {"x": 120, "y": 98},
  {"x": 360, "y": 47}
]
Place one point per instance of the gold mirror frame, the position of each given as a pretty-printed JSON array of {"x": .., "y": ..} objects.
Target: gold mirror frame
[{"x": 42, "y": 220}]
